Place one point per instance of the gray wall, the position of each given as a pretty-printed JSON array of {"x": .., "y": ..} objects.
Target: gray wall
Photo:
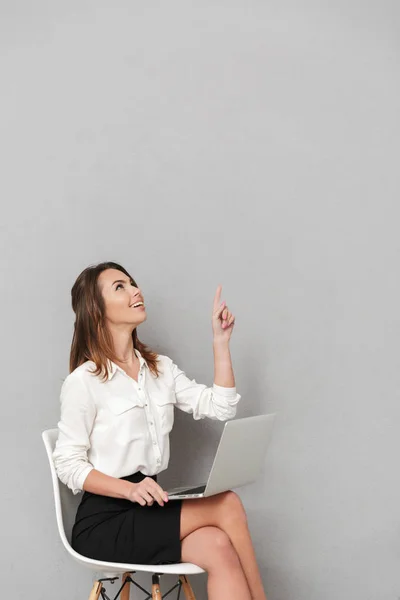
[{"x": 253, "y": 144}]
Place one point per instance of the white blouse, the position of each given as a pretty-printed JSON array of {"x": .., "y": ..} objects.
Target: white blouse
[{"x": 122, "y": 426}]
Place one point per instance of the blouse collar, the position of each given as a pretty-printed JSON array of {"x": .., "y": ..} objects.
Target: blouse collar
[{"x": 113, "y": 368}]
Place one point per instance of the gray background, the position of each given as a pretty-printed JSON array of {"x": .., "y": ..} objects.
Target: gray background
[{"x": 252, "y": 144}]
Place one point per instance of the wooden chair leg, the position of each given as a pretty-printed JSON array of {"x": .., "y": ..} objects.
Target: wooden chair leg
[
  {"x": 96, "y": 589},
  {"x": 187, "y": 588},
  {"x": 155, "y": 588},
  {"x": 126, "y": 589}
]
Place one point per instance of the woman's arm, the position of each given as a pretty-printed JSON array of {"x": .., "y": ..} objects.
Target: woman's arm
[
  {"x": 97, "y": 482},
  {"x": 215, "y": 402},
  {"x": 78, "y": 414},
  {"x": 146, "y": 491},
  {"x": 223, "y": 371},
  {"x": 74, "y": 427},
  {"x": 220, "y": 400}
]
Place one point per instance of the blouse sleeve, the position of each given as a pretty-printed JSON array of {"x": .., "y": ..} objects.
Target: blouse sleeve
[
  {"x": 216, "y": 402},
  {"x": 77, "y": 418}
]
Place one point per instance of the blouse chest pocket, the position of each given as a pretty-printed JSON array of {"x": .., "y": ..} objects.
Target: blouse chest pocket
[
  {"x": 120, "y": 404},
  {"x": 165, "y": 404},
  {"x": 127, "y": 418}
]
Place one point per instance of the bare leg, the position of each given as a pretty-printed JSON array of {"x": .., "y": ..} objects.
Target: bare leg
[
  {"x": 226, "y": 511},
  {"x": 211, "y": 549}
]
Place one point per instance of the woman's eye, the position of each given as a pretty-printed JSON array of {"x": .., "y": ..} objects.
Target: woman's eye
[{"x": 120, "y": 284}]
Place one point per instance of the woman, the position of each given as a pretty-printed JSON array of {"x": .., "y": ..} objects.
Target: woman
[{"x": 117, "y": 408}]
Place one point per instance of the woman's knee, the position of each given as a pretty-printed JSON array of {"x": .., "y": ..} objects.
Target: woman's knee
[
  {"x": 222, "y": 510},
  {"x": 221, "y": 553},
  {"x": 210, "y": 548},
  {"x": 232, "y": 506}
]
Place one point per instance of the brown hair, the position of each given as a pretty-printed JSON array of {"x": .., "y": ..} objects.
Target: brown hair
[{"x": 91, "y": 339}]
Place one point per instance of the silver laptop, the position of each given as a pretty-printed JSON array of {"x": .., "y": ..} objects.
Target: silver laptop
[{"x": 239, "y": 458}]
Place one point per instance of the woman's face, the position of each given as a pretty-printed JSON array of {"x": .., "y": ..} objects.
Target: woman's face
[{"x": 120, "y": 294}]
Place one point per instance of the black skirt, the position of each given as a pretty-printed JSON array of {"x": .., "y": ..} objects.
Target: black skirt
[{"x": 118, "y": 530}]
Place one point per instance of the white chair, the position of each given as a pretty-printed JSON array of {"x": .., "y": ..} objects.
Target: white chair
[{"x": 66, "y": 504}]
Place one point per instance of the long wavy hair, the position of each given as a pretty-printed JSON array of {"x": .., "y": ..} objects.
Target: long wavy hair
[{"x": 91, "y": 338}]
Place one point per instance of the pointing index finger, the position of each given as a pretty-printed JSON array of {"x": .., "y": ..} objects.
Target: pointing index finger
[{"x": 217, "y": 297}]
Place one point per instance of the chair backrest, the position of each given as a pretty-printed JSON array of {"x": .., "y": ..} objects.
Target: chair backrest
[{"x": 66, "y": 503}]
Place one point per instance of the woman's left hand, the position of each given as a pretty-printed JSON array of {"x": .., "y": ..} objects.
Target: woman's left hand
[{"x": 223, "y": 321}]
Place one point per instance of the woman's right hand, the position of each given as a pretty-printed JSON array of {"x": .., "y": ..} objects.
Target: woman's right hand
[{"x": 146, "y": 491}]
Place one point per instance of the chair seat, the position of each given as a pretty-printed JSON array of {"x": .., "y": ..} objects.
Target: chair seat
[{"x": 110, "y": 569}]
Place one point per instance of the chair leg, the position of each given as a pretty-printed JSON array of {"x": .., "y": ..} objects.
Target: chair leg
[
  {"x": 126, "y": 589},
  {"x": 187, "y": 588},
  {"x": 155, "y": 588},
  {"x": 96, "y": 589}
]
